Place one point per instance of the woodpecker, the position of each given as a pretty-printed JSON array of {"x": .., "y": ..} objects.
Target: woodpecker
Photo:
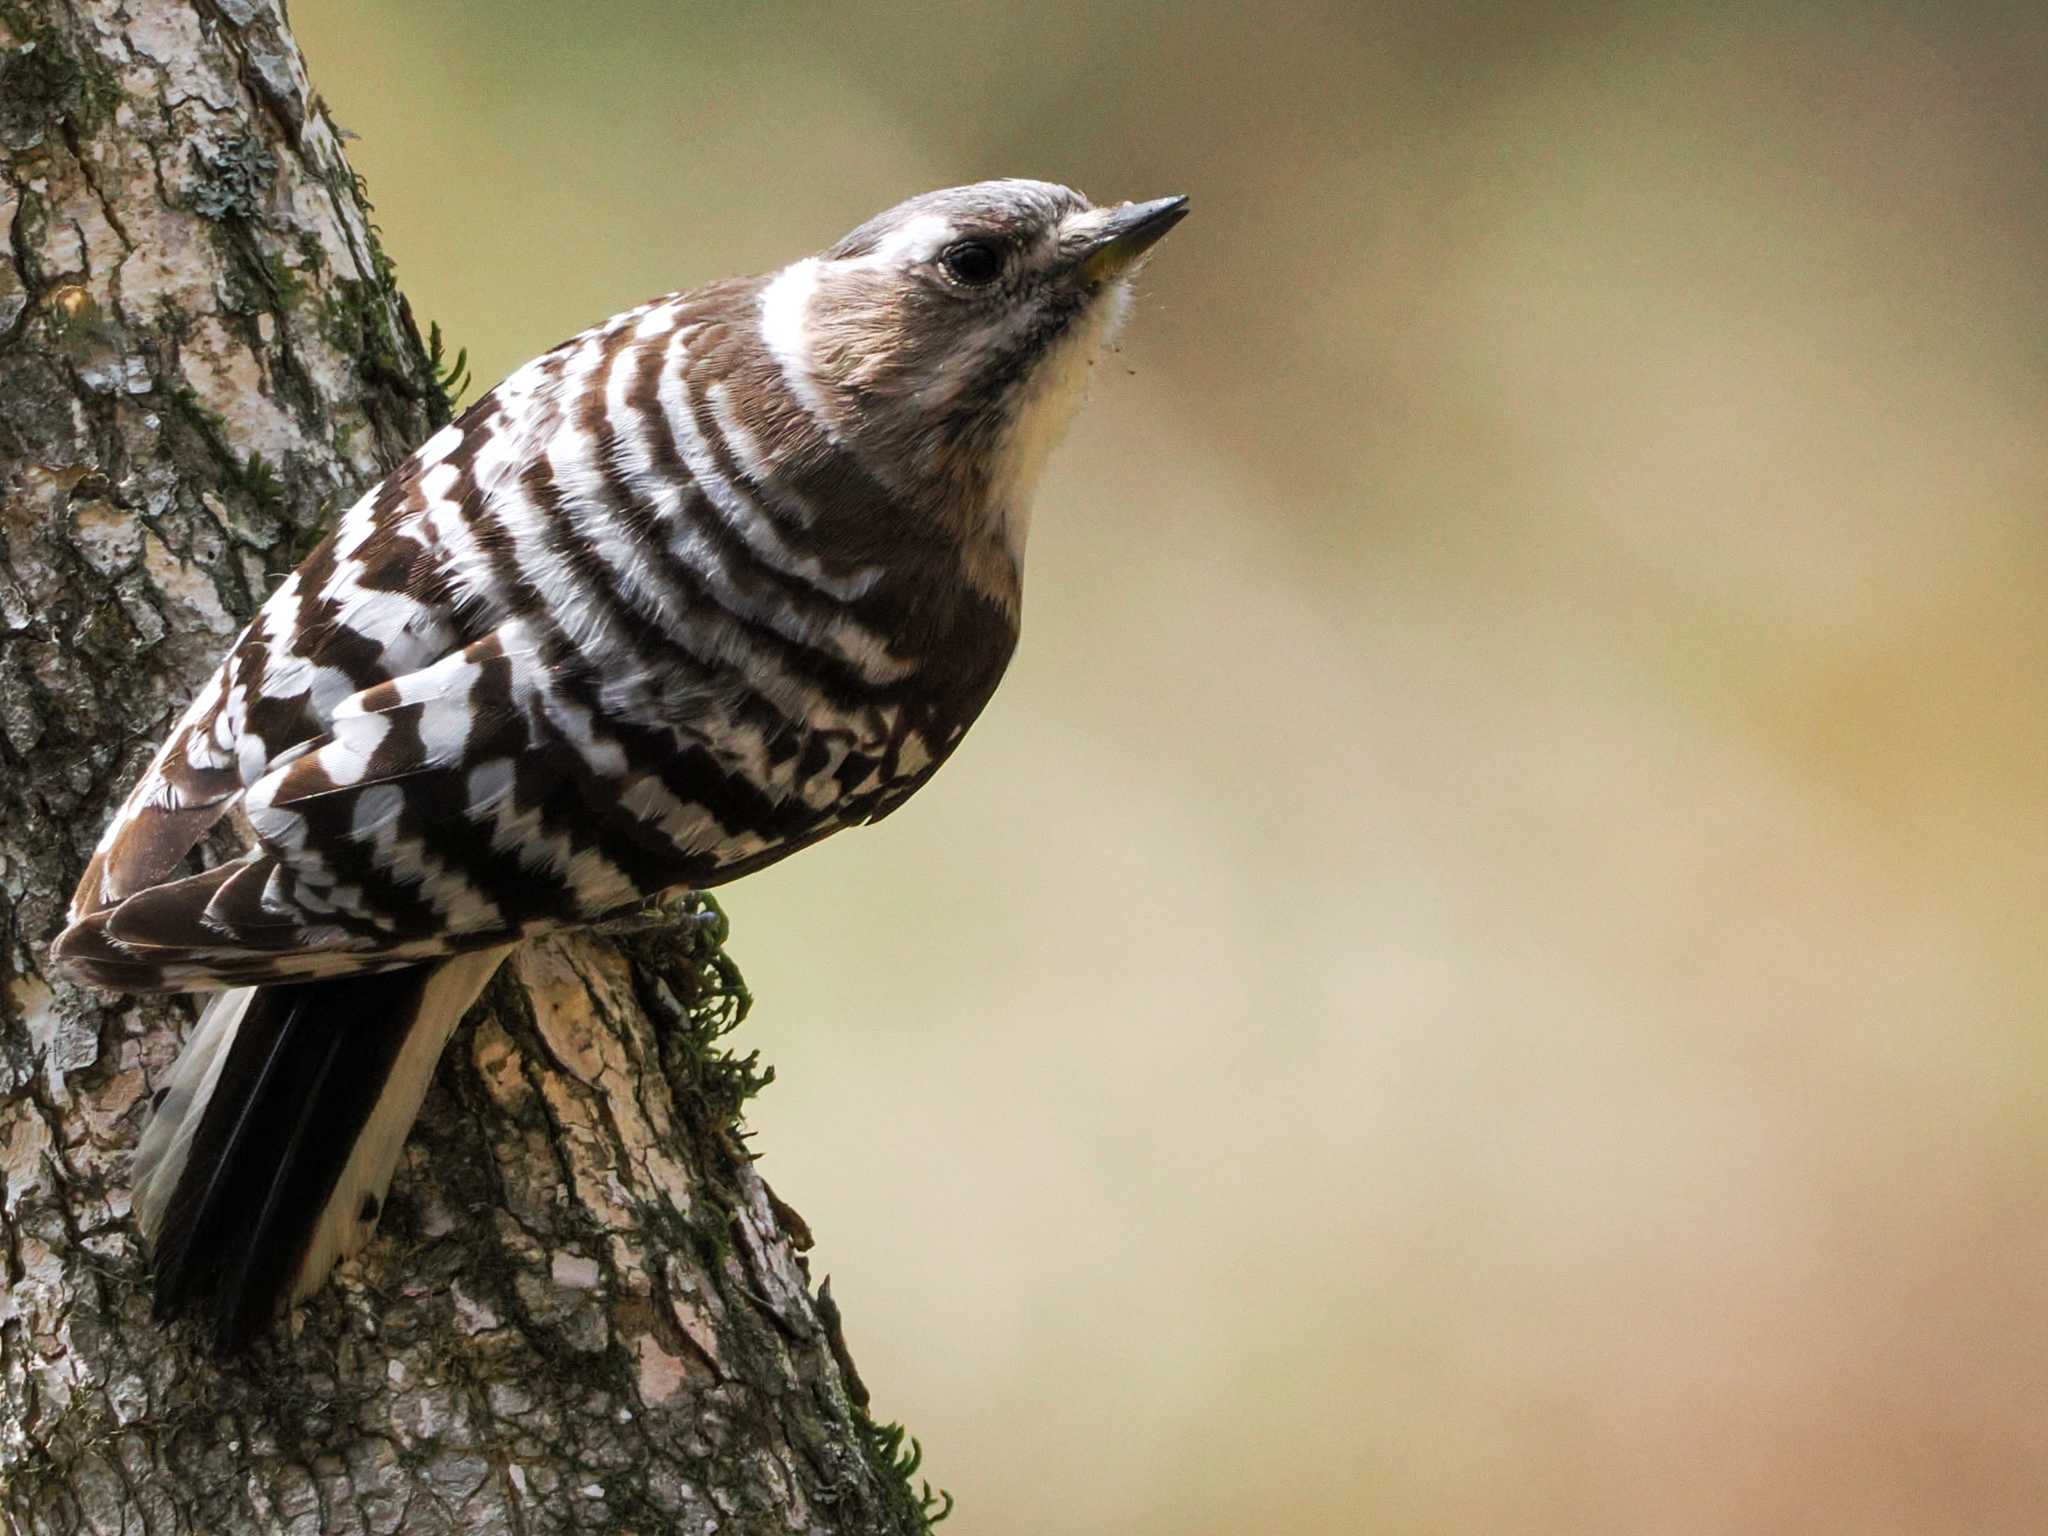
[{"x": 725, "y": 574}]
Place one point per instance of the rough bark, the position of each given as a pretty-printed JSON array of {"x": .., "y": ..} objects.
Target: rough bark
[{"x": 585, "y": 1311}]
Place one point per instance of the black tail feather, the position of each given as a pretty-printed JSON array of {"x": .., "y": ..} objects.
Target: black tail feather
[{"x": 300, "y": 1082}]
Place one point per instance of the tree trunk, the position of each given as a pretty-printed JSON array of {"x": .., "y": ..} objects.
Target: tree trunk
[{"x": 584, "y": 1311}]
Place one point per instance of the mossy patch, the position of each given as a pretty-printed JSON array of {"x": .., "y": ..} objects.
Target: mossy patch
[
  {"x": 690, "y": 986},
  {"x": 895, "y": 1464},
  {"x": 451, "y": 375},
  {"x": 233, "y": 179},
  {"x": 355, "y": 318},
  {"x": 258, "y": 282},
  {"x": 43, "y": 85}
]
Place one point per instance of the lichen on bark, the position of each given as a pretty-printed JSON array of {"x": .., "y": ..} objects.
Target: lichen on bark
[{"x": 584, "y": 1310}]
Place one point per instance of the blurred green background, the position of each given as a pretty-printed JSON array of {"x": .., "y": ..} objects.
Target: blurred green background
[{"x": 1485, "y": 971}]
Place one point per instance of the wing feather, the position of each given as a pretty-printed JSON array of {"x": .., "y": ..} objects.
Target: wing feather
[{"x": 433, "y": 817}]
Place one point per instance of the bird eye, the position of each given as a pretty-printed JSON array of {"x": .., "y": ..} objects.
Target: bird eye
[{"x": 973, "y": 262}]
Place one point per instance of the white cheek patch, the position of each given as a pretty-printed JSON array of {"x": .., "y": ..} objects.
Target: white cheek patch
[
  {"x": 786, "y": 330},
  {"x": 785, "y": 313}
]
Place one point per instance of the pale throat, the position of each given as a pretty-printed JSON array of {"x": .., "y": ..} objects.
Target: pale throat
[
  {"x": 1039, "y": 414},
  {"x": 1043, "y": 411}
]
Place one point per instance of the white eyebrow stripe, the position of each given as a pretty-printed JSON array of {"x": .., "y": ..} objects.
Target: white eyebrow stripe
[{"x": 918, "y": 239}]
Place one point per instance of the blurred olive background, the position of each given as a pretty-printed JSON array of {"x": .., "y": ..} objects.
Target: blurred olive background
[{"x": 1485, "y": 971}]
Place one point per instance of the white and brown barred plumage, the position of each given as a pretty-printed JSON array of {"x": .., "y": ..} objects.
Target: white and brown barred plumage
[{"x": 704, "y": 584}]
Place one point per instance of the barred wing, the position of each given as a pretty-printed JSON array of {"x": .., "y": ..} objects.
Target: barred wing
[
  {"x": 450, "y": 809},
  {"x": 597, "y": 639}
]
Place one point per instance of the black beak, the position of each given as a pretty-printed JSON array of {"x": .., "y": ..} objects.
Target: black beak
[{"x": 1127, "y": 234}]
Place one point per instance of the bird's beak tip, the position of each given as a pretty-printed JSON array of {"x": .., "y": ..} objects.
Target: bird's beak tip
[{"x": 1128, "y": 233}]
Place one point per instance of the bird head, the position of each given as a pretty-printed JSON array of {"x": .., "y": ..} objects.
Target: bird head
[{"x": 948, "y": 340}]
